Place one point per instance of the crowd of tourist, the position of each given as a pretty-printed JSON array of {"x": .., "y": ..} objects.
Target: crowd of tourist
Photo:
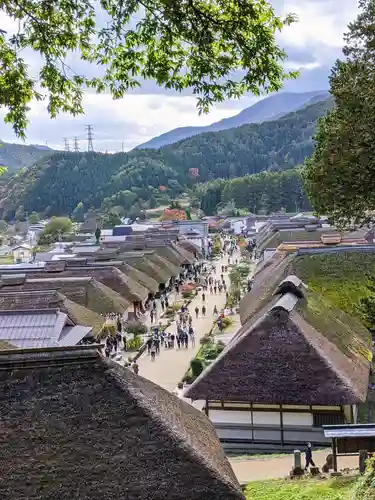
[{"x": 182, "y": 334}]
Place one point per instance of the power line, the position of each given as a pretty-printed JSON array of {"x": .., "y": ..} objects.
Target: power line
[
  {"x": 66, "y": 144},
  {"x": 90, "y": 137},
  {"x": 76, "y": 145}
]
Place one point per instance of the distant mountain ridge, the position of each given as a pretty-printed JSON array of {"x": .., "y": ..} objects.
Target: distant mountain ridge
[
  {"x": 270, "y": 108},
  {"x": 17, "y": 156},
  {"x": 57, "y": 183}
]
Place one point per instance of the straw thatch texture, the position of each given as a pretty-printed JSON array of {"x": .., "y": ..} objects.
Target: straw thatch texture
[
  {"x": 278, "y": 358},
  {"x": 108, "y": 275},
  {"x": 170, "y": 255},
  {"x": 190, "y": 246},
  {"x": 85, "y": 291},
  {"x": 147, "y": 266},
  {"x": 170, "y": 268},
  {"x": 50, "y": 299},
  {"x": 76, "y": 424},
  {"x": 266, "y": 282},
  {"x": 187, "y": 256}
]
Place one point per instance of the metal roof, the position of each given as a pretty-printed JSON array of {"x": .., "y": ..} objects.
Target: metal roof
[
  {"x": 349, "y": 431},
  {"x": 43, "y": 328}
]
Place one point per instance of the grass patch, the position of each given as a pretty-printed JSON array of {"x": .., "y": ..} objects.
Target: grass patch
[
  {"x": 340, "y": 278},
  {"x": 314, "y": 489}
]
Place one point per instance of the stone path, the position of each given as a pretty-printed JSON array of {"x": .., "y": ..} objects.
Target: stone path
[
  {"x": 171, "y": 365},
  {"x": 258, "y": 469}
]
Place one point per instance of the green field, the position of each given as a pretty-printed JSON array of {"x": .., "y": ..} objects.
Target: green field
[{"x": 329, "y": 489}]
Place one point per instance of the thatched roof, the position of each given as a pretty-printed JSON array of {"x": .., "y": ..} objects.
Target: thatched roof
[
  {"x": 170, "y": 254},
  {"x": 85, "y": 291},
  {"x": 135, "y": 274},
  {"x": 91, "y": 426},
  {"x": 50, "y": 299},
  {"x": 190, "y": 246},
  {"x": 170, "y": 268},
  {"x": 152, "y": 265},
  {"x": 292, "y": 351},
  {"x": 186, "y": 255},
  {"x": 108, "y": 275},
  {"x": 266, "y": 282}
]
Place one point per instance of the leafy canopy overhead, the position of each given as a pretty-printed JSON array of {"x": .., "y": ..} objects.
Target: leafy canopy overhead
[
  {"x": 340, "y": 175},
  {"x": 180, "y": 44}
]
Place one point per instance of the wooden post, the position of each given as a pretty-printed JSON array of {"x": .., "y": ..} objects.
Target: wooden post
[
  {"x": 281, "y": 426},
  {"x": 334, "y": 453},
  {"x": 362, "y": 461}
]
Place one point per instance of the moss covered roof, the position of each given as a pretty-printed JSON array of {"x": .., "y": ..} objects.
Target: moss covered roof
[{"x": 319, "y": 311}]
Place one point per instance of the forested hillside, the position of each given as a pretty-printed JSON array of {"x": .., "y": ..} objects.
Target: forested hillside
[
  {"x": 56, "y": 184},
  {"x": 265, "y": 192}
]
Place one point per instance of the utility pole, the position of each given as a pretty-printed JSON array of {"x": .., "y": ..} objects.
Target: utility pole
[
  {"x": 122, "y": 147},
  {"x": 90, "y": 137},
  {"x": 66, "y": 144},
  {"x": 76, "y": 145}
]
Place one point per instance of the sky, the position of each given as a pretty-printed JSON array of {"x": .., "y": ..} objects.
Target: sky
[{"x": 312, "y": 45}]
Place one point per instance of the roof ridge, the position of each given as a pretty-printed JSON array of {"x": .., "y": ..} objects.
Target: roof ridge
[{"x": 24, "y": 358}]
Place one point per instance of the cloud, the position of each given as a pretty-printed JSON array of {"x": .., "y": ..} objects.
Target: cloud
[{"x": 312, "y": 45}]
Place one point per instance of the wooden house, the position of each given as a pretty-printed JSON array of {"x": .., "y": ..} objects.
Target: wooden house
[{"x": 295, "y": 365}]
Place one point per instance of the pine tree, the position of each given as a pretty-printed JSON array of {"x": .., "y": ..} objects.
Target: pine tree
[{"x": 340, "y": 175}]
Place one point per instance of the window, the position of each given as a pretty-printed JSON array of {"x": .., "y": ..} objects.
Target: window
[{"x": 321, "y": 419}]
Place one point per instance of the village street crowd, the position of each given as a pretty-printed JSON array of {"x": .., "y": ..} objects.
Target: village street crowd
[{"x": 208, "y": 280}]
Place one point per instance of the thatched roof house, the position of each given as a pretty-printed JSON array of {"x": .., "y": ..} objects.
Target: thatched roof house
[
  {"x": 190, "y": 246},
  {"x": 108, "y": 275},
  {"x": 151, "y": 264},
  {"x": 85, "y": 291},
  {"x": 295, "y": 355},
  {"x": 50, "y": 299},
  {"x": 92, "y": 426},
  {"x": 135, "y": 274},
  {"x": 280, "y": 342}
]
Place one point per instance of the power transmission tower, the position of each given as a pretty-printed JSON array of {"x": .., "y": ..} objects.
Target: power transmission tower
[
  {"x": 90, "y": 137},
  {"x": 76, "y": 145},
  {"x": 66, "y": 144}
]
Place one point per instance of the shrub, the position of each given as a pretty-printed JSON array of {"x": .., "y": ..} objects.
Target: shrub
[
  {"x": 135, "y": 327},
  {"x": 207, "y": 339},
  {"x": 187, "y": 295},
  {"x": 226, "y": 322},
  {"x": 134, "y": 344},
  {"x": 196, "y": 366},
  {"x": 188, "y": 377}
]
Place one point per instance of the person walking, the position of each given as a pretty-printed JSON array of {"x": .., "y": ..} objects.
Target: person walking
[
  {"x": 149, "y": 344},
  {"x": 204, "y": 310},
  {"x": 215, "y": 289},
  {"x": 153, "y": 351},
  {"x": 215, "y": 311},
  {"x": 308, "y": 457},
  {"x": 196, "y": 312},
  {"x": 157, "y": 345},
  {"x": 152, "y": 314},
  {"x": 203, "y": 298},
  {"x": 124, "y": 340}
]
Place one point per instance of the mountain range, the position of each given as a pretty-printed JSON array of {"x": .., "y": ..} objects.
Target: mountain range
[
  {"x": 270, "y": 108},
  {"x": 58, "y": 182}
]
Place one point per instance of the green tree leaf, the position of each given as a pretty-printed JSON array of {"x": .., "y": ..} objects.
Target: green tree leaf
[{"x": 179, "y": 44}]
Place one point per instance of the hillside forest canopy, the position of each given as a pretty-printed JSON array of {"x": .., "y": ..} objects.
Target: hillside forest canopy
[
  {"x": 340, "y": 174},
  {"x": 148, "y": 178},
  {"x": 178, "y": 44}
]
